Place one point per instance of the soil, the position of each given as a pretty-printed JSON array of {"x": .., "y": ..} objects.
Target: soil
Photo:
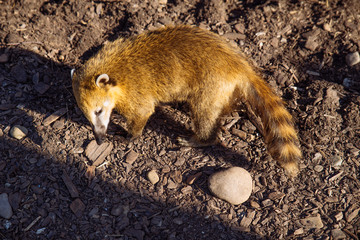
[{"x": 55, "y": 190}]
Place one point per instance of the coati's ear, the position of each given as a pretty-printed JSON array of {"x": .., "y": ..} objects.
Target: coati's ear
[
  {"x": 102, "y": 80},
  {"x": 72, "y": 73}
]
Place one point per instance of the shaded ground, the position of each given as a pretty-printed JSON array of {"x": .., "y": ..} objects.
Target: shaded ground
[{"x": 300, "y": 47}]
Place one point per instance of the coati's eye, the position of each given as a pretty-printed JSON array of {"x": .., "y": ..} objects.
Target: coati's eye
[{"x": 98, "y": 112}]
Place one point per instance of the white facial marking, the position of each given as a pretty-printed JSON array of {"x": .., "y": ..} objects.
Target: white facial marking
[{"x": 72, "y": 72}]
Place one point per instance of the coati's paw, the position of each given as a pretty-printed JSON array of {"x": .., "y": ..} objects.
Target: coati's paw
[
  {"x": 291, "y": 168},
  {"x": 191, "y": 142}
]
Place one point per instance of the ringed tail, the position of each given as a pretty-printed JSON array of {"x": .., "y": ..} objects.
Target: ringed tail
[{"x": 279, "y": 132}]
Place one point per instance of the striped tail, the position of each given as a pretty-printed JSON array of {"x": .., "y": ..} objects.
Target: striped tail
[{"x": 279, "y": 132}]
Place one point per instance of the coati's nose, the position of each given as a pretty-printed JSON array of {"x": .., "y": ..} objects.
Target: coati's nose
[
  {"x": 99, "y": 135},
  {"x": 99, "y": 138}
]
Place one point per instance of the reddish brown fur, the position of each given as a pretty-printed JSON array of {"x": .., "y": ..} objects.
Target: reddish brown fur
[{"x": 192, "y": 65}]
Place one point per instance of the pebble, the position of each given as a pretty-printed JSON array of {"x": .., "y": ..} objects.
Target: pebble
[
  {"x": 347, "y": 82},
  {"x": 311, "y": 44},
  {"x": 233, "y": 185},
  {"x": 338, "y": 234},
  {"x": 119, "y": 210},
  {"x": 19, "y": 73},
  {"x": 4, "y": 58},
  {"x": 18, "y": 132},
  {"x": 5, "y": 208},
  {"x": 312, "y": 222},
  {"x": 131, "y": 157},
  {"x": 178, "y": 221},
  {"x": 153, "y": 177},
  {"x": 336, "y": 161},
  {"x": 352, "y": 58},
  {"x": 41, "y": 87},
  {"x": 299, "y": 231},
  {"x": 318, "y": 168}
]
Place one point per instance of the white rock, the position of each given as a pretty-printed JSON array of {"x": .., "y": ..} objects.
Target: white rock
[
  {"x": 153, "y": 176},
  {"x": 5, "y": 208},
  {"x": 18, "y": 132},
  {"x": 233, "y": 185},
  {"x": 353, "y": 58}
]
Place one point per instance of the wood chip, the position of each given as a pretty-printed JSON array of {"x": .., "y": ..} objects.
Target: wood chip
[
  {"x": 78, "y": 207},
  {"x": 192, "y": 178},
  {"x": 55, "y": 116},
  {"x": 4, "y": 107},
  {"x": 97, "y": 153},
  {"x": 351, "y": 214},
  {"x": 70, "y": 185},
  {"x": 32, "y": 224}
]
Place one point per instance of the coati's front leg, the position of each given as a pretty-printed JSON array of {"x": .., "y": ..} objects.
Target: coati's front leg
[{"x": 137, "y": 121}]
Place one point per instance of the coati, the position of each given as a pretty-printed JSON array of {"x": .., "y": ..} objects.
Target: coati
[{"x": 185, "y": 64}]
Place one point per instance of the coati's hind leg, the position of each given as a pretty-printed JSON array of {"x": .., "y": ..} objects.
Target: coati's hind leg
[
  {"x": 206, "y": 112},
  {"x": 205, "y": 127}
]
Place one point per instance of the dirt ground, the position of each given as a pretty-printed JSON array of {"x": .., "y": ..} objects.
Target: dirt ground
[{"x": 55, "y": 192}]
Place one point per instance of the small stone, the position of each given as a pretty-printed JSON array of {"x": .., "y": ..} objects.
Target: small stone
[
  {"x": 178, "y": 221},
  {"x": 338, "y": 234},
  {"x": 317, "y": 157},
  {"x": 327, "y": 27},
  {"x": 131, "y": 157},
  {"x": 4, "y": 58},
  {"x": 18, "y": 132},
  {"x": 119, "y": 210},
  {"x": 352, "y": 58},
  {"x": 336, "y": 161},
  {"x": 254, "y": 205},
  {"x": 180, "y": 161},
  {"x": 41, "y": 87},
  {"x": 153, "y": 177},
  {"x": 240, "y": 28},
  {"x": 172, "y": 184},
  {"x": 299, "y": 231},
  {"x": 347, "y": 82},
  {"x": 19, "y": 73},
  {"x": 5, "y": 208},
  {"x": 311, "y": 44},
  {"x": 35, "y": 78},
  {"x": 339, "y": 216},
  {"x": 312, "y": 222},
  {"x": 318, "y": 168},
  {"x": 233, "y": 185}
]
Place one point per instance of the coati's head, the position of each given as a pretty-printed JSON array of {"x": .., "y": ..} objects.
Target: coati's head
[{"x": 95, "y": 99}]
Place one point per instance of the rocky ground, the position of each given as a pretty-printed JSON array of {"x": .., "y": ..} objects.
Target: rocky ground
[{"x": 54, "y": 186}]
